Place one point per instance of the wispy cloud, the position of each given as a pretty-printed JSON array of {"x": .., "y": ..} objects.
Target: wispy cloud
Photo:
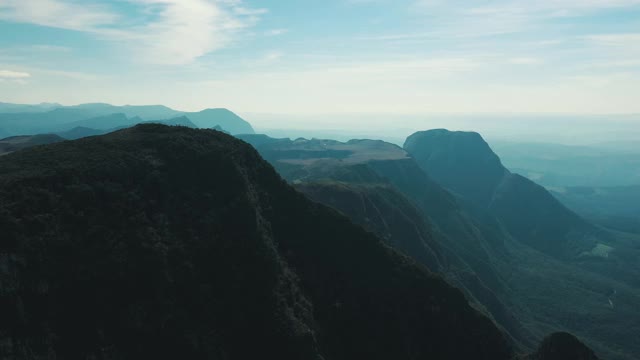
[
  {"x": 495, "y": 17},
  {"x": 176, "y": 31},
  {"x": 13, "y": 75}
]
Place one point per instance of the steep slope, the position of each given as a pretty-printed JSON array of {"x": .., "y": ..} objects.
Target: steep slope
[
  {"x": 469, "y": 249},
  {"x": 464, "y": 163},
  {"x": 382, "y": 210},
  {"x": 224, "y": 118},
  {"x": 164, "y": 242},
  {"x": 461, "y": 161},
  {"x": 598, "y": 262}
]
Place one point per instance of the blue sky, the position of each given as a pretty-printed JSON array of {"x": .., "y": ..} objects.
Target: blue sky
[{"x": 332, "y": 56}]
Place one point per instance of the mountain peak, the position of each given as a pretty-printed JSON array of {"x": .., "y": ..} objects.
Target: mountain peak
[
  {"x": 217, "y": 110},
  {"x": 453, "y": 158},
  {"x": 225, "y": 118},
  {"x": 465, "y": 164}
]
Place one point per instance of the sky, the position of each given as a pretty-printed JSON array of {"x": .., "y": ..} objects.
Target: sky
[{"x": 326, "y": 57}]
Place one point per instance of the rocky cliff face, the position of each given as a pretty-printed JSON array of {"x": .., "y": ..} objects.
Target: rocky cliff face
[{"x": 464, "y": 163}]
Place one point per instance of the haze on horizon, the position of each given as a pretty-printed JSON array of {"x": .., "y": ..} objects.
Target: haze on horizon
[{"x": 335, "y": 56}]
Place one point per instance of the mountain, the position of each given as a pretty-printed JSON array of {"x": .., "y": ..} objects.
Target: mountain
[
  {"x": 178, "y": 121},
  {"x": 16, "y": 143},
  {"x": 80, "y": 132},
  {"x": 107, "y": 117},
  {"x": 527, "y": 292},
  {"x": 21, "y": 108},
  {"x": 142, "y": 111},
  {"x": 333, "y": 173},
  {"x": 167, "y": 242},
  {"x": 461, "y": 161},
  {"x": 106, "y": 124},
  {"x": 210, "y": 118},
  {"x": 385, "y": 212},
  {"x": 465, "y": 164},
  {"x": 533, "y": 217},
  {"x": 29, "y": 123}
]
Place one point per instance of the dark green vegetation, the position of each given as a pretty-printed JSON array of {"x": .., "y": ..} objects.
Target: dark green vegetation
[
  {"x": 562, "y": 346},
  {"x": 16, "y": 143},
  {"x": 168, "y": 242},
  {"x": 385, "y": 212},
  {"x": 96, "y": 119},
  {"x": 520, "y": 256}
]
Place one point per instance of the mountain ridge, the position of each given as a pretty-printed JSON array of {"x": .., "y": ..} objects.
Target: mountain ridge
[
  {"x": 113, "y": 262},
  {"x": 105, "y": 116}
]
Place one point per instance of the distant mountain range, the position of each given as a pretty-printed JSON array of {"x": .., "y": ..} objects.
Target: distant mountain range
[{"x": 100, "y": 118}]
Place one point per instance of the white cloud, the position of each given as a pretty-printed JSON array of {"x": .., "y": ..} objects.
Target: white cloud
[
  {"x": 13, "y": 75},
  {"x": 178, "y": 31}
]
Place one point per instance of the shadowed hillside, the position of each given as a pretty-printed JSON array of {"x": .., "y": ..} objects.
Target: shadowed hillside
[
  {"x": 16, "y": 143},
  {"x": 165, "y": 242}
]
